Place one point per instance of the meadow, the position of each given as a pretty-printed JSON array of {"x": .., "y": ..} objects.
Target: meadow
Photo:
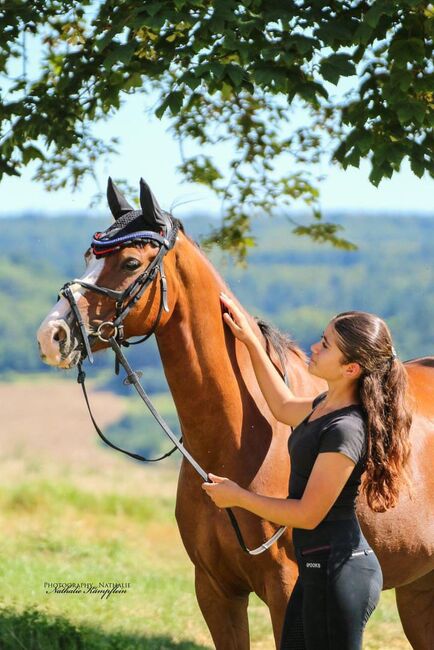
[{"x": 72, "y": 511}]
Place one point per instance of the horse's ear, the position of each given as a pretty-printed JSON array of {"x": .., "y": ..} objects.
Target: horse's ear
[
  {"x": 116, "y": 200},
  {"x": 153, "y": 215}
]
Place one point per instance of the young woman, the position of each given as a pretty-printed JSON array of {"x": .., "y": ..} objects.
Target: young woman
[{"x": 360, "y": 426}]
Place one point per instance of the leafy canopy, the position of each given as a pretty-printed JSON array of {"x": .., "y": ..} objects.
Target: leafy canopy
[{"x": 225, "y": 71}]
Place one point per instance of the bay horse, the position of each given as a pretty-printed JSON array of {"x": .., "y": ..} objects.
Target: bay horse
[{"x": 228, "y": 428}]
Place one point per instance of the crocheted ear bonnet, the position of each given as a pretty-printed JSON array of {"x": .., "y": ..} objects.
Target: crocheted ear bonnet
[{"x": 151, "y": 223}]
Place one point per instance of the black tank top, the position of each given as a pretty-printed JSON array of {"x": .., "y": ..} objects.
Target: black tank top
[{"x": 342, "y": 430}]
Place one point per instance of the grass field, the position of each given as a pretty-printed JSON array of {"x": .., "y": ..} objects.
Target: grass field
[{"x": 74, "y": 512}]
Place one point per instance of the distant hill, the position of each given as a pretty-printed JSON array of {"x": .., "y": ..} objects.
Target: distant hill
[{"x": 296, "y": 284}]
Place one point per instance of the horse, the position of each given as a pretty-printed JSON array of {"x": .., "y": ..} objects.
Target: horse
[{"x": 228, "y": 428}]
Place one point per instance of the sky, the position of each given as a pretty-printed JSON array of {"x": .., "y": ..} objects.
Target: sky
[{"x": 148, "y": 149}]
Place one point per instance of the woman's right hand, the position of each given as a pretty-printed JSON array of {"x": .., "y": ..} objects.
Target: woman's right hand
[{"x": 237, "y": 321}]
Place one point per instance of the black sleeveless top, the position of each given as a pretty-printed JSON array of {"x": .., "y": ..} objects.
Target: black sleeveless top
[{"x": 342, "y": 430}]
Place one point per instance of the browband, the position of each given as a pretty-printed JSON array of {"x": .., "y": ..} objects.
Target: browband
[{"x": 103, "y": 245}]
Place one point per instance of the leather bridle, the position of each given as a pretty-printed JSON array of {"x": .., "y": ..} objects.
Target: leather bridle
[{"x": 124, "y": 302}]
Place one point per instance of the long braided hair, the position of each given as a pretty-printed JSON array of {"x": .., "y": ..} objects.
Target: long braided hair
[{"x": 365, "y": 338}]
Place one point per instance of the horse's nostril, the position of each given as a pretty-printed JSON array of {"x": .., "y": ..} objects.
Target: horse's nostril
[{"x": 60, "y": 335}]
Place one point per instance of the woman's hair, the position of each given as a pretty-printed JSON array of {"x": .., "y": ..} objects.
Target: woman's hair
[{"x": 383, "y": 391}]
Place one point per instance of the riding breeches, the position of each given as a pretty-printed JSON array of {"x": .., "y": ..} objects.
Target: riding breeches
[{"x": 338, "y": 588}]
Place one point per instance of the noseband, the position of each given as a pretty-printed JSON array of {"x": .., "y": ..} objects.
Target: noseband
[{"x": 112, "y": 332}]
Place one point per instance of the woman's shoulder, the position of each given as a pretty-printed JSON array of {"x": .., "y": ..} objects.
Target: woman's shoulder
[
  {"x": 351, "y": 417},
  {"x": 345, "y": 432}
]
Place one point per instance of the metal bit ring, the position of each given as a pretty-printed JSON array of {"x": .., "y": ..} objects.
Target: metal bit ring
[{"x": 100, "y": 328}]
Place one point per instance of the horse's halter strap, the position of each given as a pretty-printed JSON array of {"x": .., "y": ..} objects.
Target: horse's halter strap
[{"x": 132, "y": 294}]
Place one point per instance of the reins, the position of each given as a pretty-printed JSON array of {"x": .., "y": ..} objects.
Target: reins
[{"x": 115, "y": 338}]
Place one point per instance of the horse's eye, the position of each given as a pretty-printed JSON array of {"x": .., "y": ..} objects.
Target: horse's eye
[{"x": 131, "y": 265}]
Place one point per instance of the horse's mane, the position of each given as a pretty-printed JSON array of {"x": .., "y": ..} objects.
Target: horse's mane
[
  {"x": 422, "y": 361},
  {"x": 278, "y": 340}
]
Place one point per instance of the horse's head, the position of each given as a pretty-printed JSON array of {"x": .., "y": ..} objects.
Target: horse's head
[{"x": 123, "y": 290}]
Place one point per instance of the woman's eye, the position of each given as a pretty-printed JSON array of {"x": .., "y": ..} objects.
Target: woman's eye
[{"x": 131, "y": 265}]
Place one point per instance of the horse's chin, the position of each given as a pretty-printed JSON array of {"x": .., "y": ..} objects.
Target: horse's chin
[{"x": 71, "y": 361}]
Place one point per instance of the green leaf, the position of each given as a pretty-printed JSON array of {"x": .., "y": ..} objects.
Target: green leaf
[
  {"x": 378, "y": 9},
  {"x": 363, "y": 33},
  {"x": 263, "y": 75},
  {"x": 335, "y": 66},
  {"x": 173, "y": 101},
  {"x": 218, "y": 69},
  {"x": 404, "y": 79},
  {"x": 134, "y": 81},
  {"x": 409, "y": 50},
  {"x": 417, "y": 167},
  {"x": 235, "y": 73},
  {"x": 6, "y": 167},
  {"x": 352, "y": 159},
  {"x": 364, "y": 142},
  {"x": 309, "y": 90},
  {"x": 152, "y": 8},
  {"x": 329, "y": 72},
  {"x": 411, "y": 111},
  {"x": 387, "y": 169},
  {"x": 376, "y": 175},
  {"x": 102, "y": 43},
  {"x": 190, "y": 80},
  {"x": 30, "y": 153},
  {"x": 304, "y": 44},
  {"x": 121, "y": 54}
]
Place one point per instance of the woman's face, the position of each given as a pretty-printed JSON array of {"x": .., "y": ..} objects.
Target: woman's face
[{"x": 326, "y": 358}]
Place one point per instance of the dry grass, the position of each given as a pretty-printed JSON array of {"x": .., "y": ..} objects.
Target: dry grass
[{"x": 47, "y": 433}]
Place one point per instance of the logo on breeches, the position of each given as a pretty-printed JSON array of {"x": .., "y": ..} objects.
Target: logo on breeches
[{"x": 313, "y": 565}]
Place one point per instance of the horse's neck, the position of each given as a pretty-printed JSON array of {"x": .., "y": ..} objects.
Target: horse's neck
[{"x": 198, "y": 354}]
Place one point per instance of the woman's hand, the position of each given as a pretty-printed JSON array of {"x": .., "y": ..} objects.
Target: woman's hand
[
  {"x": 237, "y": 321},
  {"x": 222, "y": 491}
]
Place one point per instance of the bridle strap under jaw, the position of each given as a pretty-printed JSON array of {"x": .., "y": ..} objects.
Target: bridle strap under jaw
[{"x": 116, "y": 340}]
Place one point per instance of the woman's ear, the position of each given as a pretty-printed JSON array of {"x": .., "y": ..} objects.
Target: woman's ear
[{"x": 353, "y": 370}]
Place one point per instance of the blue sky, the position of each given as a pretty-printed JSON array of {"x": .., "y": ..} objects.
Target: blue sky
[{"x": 149, "y": 150}]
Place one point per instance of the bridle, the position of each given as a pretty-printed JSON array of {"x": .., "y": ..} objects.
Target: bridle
[
  {"x": 124, "y": 300},
  {"x": 115, "y": 337}
]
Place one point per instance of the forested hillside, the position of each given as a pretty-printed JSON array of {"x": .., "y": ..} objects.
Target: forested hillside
[{"x": 296, "y": 284}]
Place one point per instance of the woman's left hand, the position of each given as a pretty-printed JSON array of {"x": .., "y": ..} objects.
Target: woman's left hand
[{"x": 222, "y": 491}]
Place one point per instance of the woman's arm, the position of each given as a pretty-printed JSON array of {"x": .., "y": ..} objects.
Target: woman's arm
[
  {"x": 284, "y": 405},
  {"x": 329, "y": 474}
]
